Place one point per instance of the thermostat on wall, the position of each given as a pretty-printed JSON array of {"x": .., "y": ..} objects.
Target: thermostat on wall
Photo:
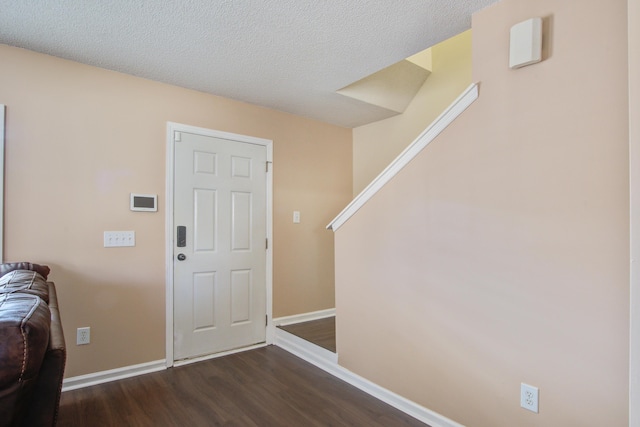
[{"x": 144, "y": 202}]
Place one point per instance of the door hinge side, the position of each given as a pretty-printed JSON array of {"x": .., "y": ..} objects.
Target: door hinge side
[
  {"x": 266, "y": 243},
  {"x": 266, "y": 320}
]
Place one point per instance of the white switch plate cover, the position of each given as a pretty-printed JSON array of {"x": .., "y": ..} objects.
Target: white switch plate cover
[
  {"x": 114, "y": 239},
  {"x": 296, "y": 217}
]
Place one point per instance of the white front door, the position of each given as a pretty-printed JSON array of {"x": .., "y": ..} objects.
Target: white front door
[{"x": 219, "y": 260}]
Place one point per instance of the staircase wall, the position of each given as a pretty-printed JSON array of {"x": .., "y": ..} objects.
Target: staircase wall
[{"x": 500, "y": 254}]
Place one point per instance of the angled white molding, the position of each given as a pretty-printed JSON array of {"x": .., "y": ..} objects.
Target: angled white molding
[
  {"x": 328, "y": 362},
  {"x": 304, "y": 317},
  {"x": 305, "y": 350},
  {"x": 429, "y": 134}
]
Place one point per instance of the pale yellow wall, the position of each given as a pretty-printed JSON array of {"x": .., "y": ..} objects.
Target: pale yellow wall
[
  {"x": 80, "y": 139},
  {"x": 500, "y": 255},
  {"x": 375, "y": 145}
]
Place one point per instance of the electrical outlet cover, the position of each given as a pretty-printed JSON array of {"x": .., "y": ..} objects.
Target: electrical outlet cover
[
  {"x": 529, "y": 397},
  {"x": 83, "y": 336}
]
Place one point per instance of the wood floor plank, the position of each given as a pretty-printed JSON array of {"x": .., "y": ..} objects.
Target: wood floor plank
[
  {"x": 263, "y": 387},
  {"x": 321, "y": 332}
]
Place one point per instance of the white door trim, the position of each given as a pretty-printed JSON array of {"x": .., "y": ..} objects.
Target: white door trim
[
  {"x": 169, "y": 235},
  {"x": 2, "y": 115}
]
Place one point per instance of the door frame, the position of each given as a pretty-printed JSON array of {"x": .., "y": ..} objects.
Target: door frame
[
  {"x": 169, "y": 235},
  {"x": 2, "y": 119}
]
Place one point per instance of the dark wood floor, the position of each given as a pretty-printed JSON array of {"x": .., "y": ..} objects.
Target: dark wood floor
[
  {"x": 263, "y": 387},
  {"x": 320, "y": 332}
]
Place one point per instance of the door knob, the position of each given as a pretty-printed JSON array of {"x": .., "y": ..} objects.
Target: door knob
[{"x": 182, "y": 257}]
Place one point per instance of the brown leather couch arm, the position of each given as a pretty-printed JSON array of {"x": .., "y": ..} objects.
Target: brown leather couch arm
[
  {"x": 24, "y": 335},
  {"x": 44, "y": 408}
]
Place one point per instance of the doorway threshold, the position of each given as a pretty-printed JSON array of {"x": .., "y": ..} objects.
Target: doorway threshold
[{"x": 183, "y": 362}]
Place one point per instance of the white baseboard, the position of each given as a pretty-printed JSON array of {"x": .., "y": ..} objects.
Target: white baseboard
[
  {"x": 304, "y": 349},
  {"x": 317, "y": 356},
  {"x": 95, "y": 378},
  {"x": 328, "y": 361},
  {"x": 304, "y": 317}
]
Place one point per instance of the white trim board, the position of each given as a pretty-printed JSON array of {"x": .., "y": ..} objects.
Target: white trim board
[
  {"x": 169, "y": 235},
  {"x": 304, "y": 317},
  {"x": 2, "y": 118},
  {"x": 95, "y": 378},
  {"x": 328, "y": 362},
  {"x": 429, "y": 134},
  {"x": 317, "y": 356},
  {"x": 304, "y": 349}
]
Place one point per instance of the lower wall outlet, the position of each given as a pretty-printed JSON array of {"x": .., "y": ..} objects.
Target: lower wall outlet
[
  {"x": 84, "y": 336},
  {"x": 529, "y": 397}
]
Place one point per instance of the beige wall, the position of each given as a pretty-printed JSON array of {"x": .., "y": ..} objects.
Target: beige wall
[
  {"x": 634, "y": 163},
  {"x": 500, "y": 254},
  {"x": 80, "y": 139},
  {"x": 375, "y": 145}
]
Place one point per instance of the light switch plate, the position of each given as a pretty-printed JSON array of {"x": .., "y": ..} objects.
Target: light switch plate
[{"x": 114, "y": 239}]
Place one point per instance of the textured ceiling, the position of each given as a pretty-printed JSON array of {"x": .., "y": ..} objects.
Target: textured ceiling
[{"x": 290, "y": 55}]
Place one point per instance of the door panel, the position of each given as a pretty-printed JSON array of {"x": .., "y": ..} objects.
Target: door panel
[
  {"x": 240, "y": 221},
  {"x": 220, "y": 287},
  {"x": 204, "y": 222},
  {"x": 240, "y": 296},
  {"x": 204, "y": 300}
]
